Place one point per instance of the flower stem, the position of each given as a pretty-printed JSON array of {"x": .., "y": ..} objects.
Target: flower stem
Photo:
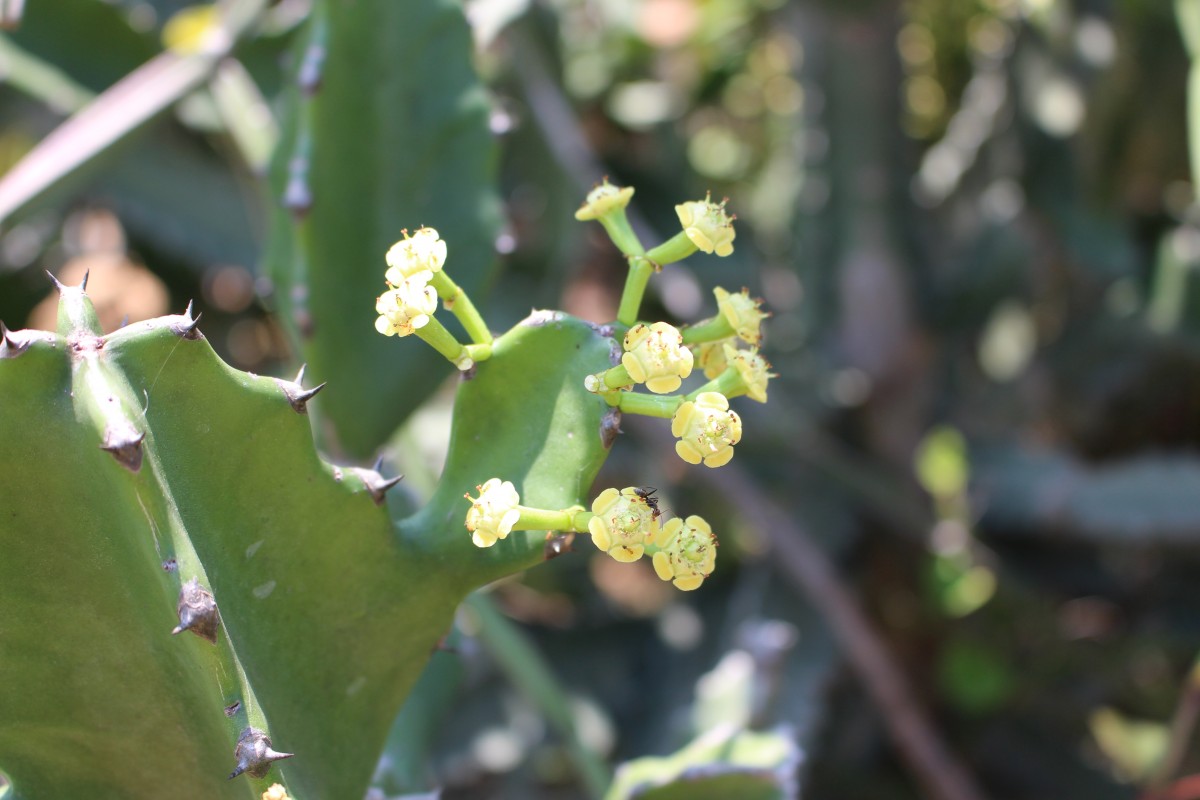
[
  {"x": 650, "y": 405},
  {"x": 616, "y": 224},
  {"x": 459, "y": 303},
  {"x": 436, "y": 336},
  {"x": 540, "y": 519},
  {"x": 729, "y": 383},
  {"x": 640, "y": 270},
  {"x": 710, "y": 330},
  {"x": 677, "y": 248}
]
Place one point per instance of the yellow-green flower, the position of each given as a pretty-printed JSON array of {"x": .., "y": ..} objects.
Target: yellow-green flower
[
  {"x": 688, "y": 554},
  {"x": 707, "y": 225},
  {"x": 276, "y": 792},
  {"x": 603, "y": 200},
  {"x": 406, "y": 307},
  {"x": 753, "y": 369},
  {"x": 424, "y": 251},
  {"x": 707, "y": 430},
  {"x": 624, "y": 524},
  {"x": 493, "y": 513},
  {"x": 710, "y": 357},
  {"x": 743, "y": 313},
  {"x": 655, "y": 355}
]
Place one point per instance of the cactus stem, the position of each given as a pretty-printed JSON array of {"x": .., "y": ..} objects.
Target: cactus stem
[
  {"x": 299, "y": 396},
  {"x": 125, "y": 446},
  {"x": 254, "y": 754},
  {"x": 197, "y": 611}
]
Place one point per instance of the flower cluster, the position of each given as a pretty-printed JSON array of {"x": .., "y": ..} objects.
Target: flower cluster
[{"x": 626, "y": 524}]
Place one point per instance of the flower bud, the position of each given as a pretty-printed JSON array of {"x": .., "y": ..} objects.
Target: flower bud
[
  {"x": 407, "y": 307},
  {"x": 707, "y": 225},
  {"x": 604, "y": 200},
  {"x": 424, "y": 251},
  {"x": 743, "y": 313},
  {"x": 493, "y": 513},
  {"x": 753, "y": 370}
]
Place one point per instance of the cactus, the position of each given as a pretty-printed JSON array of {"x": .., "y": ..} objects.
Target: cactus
[
  {"x": 148, "y": 478},
  {"x": 194, "y": 603}
]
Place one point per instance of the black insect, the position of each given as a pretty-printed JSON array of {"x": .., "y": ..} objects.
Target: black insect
[{"x": 647, "y": 494}]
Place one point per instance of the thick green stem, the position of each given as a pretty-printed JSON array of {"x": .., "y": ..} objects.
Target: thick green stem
[
  {"x": 650, "y": 405},
  {"x": 459, "y": 303},
  {"x": 640, "y": 270},
  {"x": 462, "y": 356},
  {"x": 710, "y": 330},
  {"x": 729, "y": 383},
  {"x": 540, "y": 519},
  {"x": 677, "y": 248},
  {"x": 616, "y": 224}
]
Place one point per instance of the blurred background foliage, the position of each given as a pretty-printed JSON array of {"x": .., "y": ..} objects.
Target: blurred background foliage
[{"x": 974, "y": 224}]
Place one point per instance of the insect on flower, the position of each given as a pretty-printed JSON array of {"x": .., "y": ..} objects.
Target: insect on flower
[{"x": 647, "y": 494}]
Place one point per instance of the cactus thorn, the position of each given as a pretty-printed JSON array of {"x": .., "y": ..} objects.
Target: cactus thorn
[
  {"x": 11, "y": 346},
  {"x": 298, "y": 396},
  {"x": 254, "y": 754},
  {"x": 376, "y": 484},
  {"x": 124, "y": 321},
  {"x": 187, "y": 328},
  {"x": 125, "y": 446},
  {"x": 558, "y": 543},
  {"x": 197, "y": 611},
  {"x": 299, "y": 379},
  {"x": 378, "y": 462},
  {"x": 57, "y": 285},
  {"x": 83, "y": 284}
]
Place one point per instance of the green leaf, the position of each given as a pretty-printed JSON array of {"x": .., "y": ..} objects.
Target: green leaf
[{"x": 388, "y": 132}]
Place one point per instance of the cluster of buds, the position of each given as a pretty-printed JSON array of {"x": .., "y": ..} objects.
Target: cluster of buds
[
  {"x": 626, "y": 524},
  {"x": 660, "y": 356},
  {"x": 416, "y": 280}
]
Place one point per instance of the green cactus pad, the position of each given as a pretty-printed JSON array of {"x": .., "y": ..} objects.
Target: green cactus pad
[{"x": 137, "y": 461}]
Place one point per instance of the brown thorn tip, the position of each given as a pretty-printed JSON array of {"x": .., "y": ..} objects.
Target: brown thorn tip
[{"x": 83, "y": 284}]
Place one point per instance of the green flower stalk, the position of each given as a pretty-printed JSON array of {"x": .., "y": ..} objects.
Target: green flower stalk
[{"x": 738, "y": 315}]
